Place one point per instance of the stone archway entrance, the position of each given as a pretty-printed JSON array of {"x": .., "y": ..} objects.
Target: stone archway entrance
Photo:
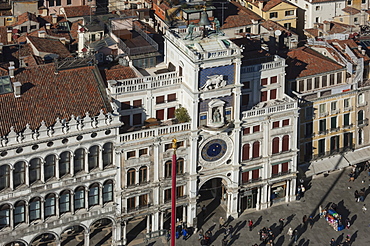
[
  {"x": 101, "y": 233},
  {"x": 73, "y": 236},
  {"x": 212, "y": 200},
  {"x": 16, "y": 243},
  {"x": 45, "y": 239}
]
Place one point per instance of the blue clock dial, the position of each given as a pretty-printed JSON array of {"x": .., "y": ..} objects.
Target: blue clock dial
[{"x": 214, "y": 150}]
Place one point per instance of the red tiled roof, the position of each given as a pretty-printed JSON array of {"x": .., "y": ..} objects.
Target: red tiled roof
[
  {"x": 119, "y": 72},
  {"x": 272, "y": 25},
  {"x": 46, "y": 96},
  {"x": 25, "y": 17},
  {"x": 245, "y": 11},
  {"x": 76, "y": 11},
  {"x": 270, "y": 4},
  {"x": 341, "y": 44},
  {"x": 48, "y": 45},
  {"x": 351, "y": 10},
  {"x": 236, "y": 21},
  {"x": 304, "y": 61}
]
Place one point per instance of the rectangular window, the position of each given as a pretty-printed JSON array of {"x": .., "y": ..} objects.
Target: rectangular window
[
  {"x": 309, "y": 84},
  {"x": 159, "y": 99},
  {"x": 125, "y": 119},
  {"x": 322, "y": 126},
  {"x": 317, "y": 8},
  {"x": 167, "y": 194},
  {"x": 333, "y": 122},
  {"x": 346, "y": 119},
  {"x": 143, "y": 152},
  {"x": 167, "y": 146},
  {"x": 308, "y": 151},
  {"x": 273, "y": 80},
  {"x": 171, "y": 97},
  {"x": 308, "y": 113},
  {"x": 301, "y": 85},
  {"x": 333, "y": 106},
  {"x": 180, "y": 191},
  {"x": 143, "y": 200},
  {"x": 346, "y": 103},
  {"x": 246, "y": 85},
  {"x": 256, "y": 128},
  {"x": 273, "y": 15},
  {"x": 321, "y": 149},
  {"x": 131, "y": 154},
  {"x": 322, "y": 108},
  {"x": 317, "y": 82},
  {"x": 287, "y": 25},
  {"x": 289, "y": 12},
  {"x": 125, "y": 105},
  {"x": 275, "y": 170},
  {"x": 246, "y": 131},
  {"x": 264, "y": 81},
  {"x": 324, "y": 80},
  {"x": 137, "y": 119},
  {"x": 286, "y": 122},
  {"x": 256, "y": 174},
  {"x": 131, "y": 203},
  {"x": 69, "y": 2},
  {"x": 58, "y": 2},
  {"x": 263, "y": 96},
  {"x": 137, "y": 103},
  {"x": 309, "y": 130},
  {"x": 23, "y": 29},
  {"x": 160, "y": 114},
  {"x": 171, "y": 113},
  {"x": 273, "y": 94},
  {"x": 285, "y": 167},
  {"x": 334, "y": 144},
  {"x": 51, "y": 3},
  {"x": 245, "y": 177},
  {"x": 275, "y": 124},
  {"x": 245, "y": 100},
  {"x": 331, "y": 79},
  {"x": 339, "y": 78}
]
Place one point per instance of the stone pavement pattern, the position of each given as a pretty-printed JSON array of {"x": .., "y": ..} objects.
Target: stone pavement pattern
[{"x": 320, "y": 191}]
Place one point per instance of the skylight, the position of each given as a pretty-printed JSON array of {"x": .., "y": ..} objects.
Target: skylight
[{"x": 5, "y": 85}]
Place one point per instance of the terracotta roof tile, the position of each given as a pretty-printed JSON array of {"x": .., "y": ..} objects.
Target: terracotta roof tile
[
  {"x": 119, "y": 72},
  {"x": 25, "y": 17},
  {"x": 304, "y": 61},
  {"x": 236, "y": 21},
  {"x": 270, "y": 4},
  {"x": 245, "y": 11},
  {"x": 351, "y": 10},
  {"x": 48, "y": 45},
  {"x": 46, "y": 96},
  {"x": 76, "y": 11}
]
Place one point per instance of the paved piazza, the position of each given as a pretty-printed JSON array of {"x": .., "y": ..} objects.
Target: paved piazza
[{"x": 321, "y": 190}]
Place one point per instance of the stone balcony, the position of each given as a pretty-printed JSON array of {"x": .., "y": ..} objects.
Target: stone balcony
[{"x": 269, "y": 108}]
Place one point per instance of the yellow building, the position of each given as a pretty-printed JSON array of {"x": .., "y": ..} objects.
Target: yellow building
[
  {"x": 279, "y": 11},
  {"x": 327, "y": 101}
]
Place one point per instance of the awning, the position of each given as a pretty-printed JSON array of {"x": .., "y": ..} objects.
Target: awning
[
  {"x": 359, "y": 155},
  {"x": 328, "y": 164}
]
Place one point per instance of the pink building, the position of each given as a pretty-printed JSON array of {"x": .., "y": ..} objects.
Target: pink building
[{"x": 54, "y": 6}]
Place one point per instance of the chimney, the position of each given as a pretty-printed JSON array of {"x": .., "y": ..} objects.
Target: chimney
[
  {"x": 9, "y": 36},
  {"x": 17, "y": 89},
  {"x": 47, "y": 26},
  {"x": 363, "y": 52},
  {"x": 326, "y": 27},
  {"x": 11, "y": 69},
  {"x": 359, "y": 47},
  {"x": 63, "y": 40},
  {"x": 41, "y": 34},
  {"x": 54, "y": 19}
]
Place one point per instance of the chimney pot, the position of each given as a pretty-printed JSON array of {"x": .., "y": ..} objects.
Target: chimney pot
[
  {"x": 41, "y": 34},
  {"x": 47, "y": 25},
  {"x": 9, "y": 35},
  {"x": 17, "y": 89},
  {"x": 11, "y": 69},
  {"x": 363, "y": 52}
]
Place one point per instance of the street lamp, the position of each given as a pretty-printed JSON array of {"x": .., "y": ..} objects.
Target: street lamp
[{"x": 173, "y": 195}]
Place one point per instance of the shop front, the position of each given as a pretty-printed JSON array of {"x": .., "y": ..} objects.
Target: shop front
[
  {"x": 248, "y": 199},
  {"x": 278, "y": 192}
]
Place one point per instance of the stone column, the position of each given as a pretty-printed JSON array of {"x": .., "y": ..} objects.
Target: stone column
[
  {"x": 161, "y": 222},
  {"x": 148, "y": 223},
  {"x": 42, "y": 210},
  {"x": 124, "y": 228},
  {"x": 27, "y": 173},
  {"x": 258, "y": 203},
  {"x": 100, "y": 158},
  {"x": 287, "y": 191},
  {"x": 86, "y": 161},
  {"x": 72, "y": 164},
  {"x": 11, "y": 179},
  {"x": 72, "y": 203},
  {"x": 57, "y": 206},
  {"x": 155, "y": 220},
  {"x": 87, "y": 199},
  {"x": 184, "y": 214},
  {"x": 42, "y": 172},
  {"x": 57, "y": 167},
  {"x": 11, "y": 218},
  {"x": 87, "y": 238}
]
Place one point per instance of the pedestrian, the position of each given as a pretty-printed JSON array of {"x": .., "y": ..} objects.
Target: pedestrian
[
  {"x": 347, "y": 240},
  {"x": 270, "y": 242},
  {"x": 204, "y": 210},
  {"x": 299, "y": 193},
  {"x": 320, "y": 211},
  {"x": 348, "y": 223},
  {"x": 310, "y": 221},
  {"x": 295, "y": 236},
  {"x": 250, "y": 224},
  {"x": 281, "y": 223},
  {"x": 221, "y": 221},
  {"x": 168, "y": 235},
  {"x": 364, "y": 208},
  {"x": 368, "y": 172},
  {"x": 303, "y": 190},
  {"x": 224, "y": 242},
  {"x": 184, "y": 233},
  {"x": 229, "y": 231},
  {"x": 356, "y": 196},
  {"x": 357, "y": 171},
  {"x": 332, "y": 242},
  {"x": 304, "y": 220},
  {"x": 351, "y": 177},
  {"x": 290, "y": 233},
  {"x": 200, "y": 234}
]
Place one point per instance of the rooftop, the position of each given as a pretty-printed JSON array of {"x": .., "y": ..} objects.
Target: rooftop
[
  {"x": 47, "y": 95},
  {"x": 48, "y": 45}
]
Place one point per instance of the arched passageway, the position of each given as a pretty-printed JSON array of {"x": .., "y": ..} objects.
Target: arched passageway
[
  {"x": 45, "y": 239},
  {"x": 101, "y": 233},
  {"x": 73, "y": 236},
  {"x": 15, "y": 243}
]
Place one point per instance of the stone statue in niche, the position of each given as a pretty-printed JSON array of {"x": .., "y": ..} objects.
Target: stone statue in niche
[
  {"x": 216, "y": 116},
  {"x": 214, "y": 82}
]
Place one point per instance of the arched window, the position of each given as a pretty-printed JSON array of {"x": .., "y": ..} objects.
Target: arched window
[
  {"x": 168, "y": 169},
  {"x": 256, "y": 149},
  {"x": 285, "y": 146},
  {"x": 4, "y": 216},
  {"x": 94, "y": 195},
  {"x": 79, "y": 160},
  {"x": 64, "y": 163},
  {"x": 143, "y": 175},
  {"x": 361, "y": 98},
  {"x": 35, "y": 170},
  {"x": 19, "y": 212},
  {"x": 107, "y": 154},
  {"x": 245, "y": 153},
  {"x": 79, "y": 198},
  {"x": 19, "y": 174},
  {"x": 35, "y": 209},
  {"x": 179, "y": 166},
  {"x": 64, "y": 202},
  {"x": 4, "y": 177},
  {"x": 131, "y": 177},
  {"x": 49, "y": 205},
  {"x": 360, "y": 117},
  {"x": 93, "y": 157},
  {"x": 49, "y": 167},
  {"x": 108, "y": 191},
  {"x": 275, "y": 145}
]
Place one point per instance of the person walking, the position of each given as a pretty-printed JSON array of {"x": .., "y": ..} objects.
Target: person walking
[
  {"x": 304, "y": 220},
  {"x": 295, "y": 236},
  {"x": 250, "y": 224},
  {"x": 332, "y": 242},
  {"x": 290, "y": 233},
  {"x": 299, "y": 192},
  {"x": 184, "y": 233},
  {"x": 348, "y": 223},
  {"x": 221, "y": 221},
  {"x": 320, "y": 211},
  {"x": 281, "y": 224},
  {"x": 200, "y": 234},
  {"x": 303, "y": 190},
  {"x": 310, "y": 221},
  {"x": 364, "y": 208}
]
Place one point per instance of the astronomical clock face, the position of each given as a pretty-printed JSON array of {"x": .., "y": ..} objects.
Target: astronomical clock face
[{"x": 216, "y": 150}]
